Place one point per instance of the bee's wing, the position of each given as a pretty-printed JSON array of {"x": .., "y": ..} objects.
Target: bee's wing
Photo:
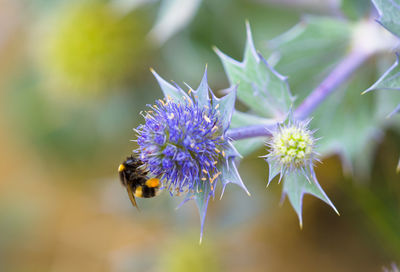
[{"x": 132, "y": 197}]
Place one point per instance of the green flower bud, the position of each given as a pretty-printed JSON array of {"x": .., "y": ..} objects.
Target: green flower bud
[{"x": 292, "y": 145}]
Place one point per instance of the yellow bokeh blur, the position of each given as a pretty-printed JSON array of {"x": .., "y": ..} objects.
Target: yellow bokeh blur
[{"x": 88, "y": 46}]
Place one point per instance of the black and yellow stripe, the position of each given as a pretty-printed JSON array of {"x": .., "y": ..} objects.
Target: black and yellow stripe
[
  {"x": 149, "y": 189},
  {"x": 136, "y": 181}
]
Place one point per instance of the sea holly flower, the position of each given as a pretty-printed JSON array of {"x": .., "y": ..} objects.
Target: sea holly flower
[
  {"x": 183, "y": 142},
  {"x": 292, "y": 156},
  {"x": 292, "y": 146}
]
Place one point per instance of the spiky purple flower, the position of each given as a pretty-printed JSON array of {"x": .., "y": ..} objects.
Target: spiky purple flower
[{"x": 183, "y": 142}]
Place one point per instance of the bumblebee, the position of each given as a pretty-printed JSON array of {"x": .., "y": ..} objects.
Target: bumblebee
[{"x": 135, "y": 179}]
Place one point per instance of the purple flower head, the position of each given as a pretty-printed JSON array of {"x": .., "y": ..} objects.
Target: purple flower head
[
  {"x": 183, "y": 142},
  {"x": 190, "y": 144}
]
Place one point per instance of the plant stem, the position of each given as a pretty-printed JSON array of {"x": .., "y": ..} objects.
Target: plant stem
[
  {"x": 339, "y": 75},
  {"x": 249, "y": 132}
]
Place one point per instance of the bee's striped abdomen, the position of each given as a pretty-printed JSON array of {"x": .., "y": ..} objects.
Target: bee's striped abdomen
[
  {"x": 148, "y": 189},
  {"x": 145, "y": 191}
]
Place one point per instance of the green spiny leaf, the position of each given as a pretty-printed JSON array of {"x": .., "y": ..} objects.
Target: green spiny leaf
[
  {"x": 173, "y": 92},
  {"x": 202, "y": 90},
  {"x": 274, "y": 170},
  {"x": 230, "y": 174},
  {"x": 389, "y": 14},
  {"x": 202, "y": 199},
  {"x": 390, "y": 80},
  {"x": 231, "y": 151},
  {"x": 297, "y": 184},
  {"x": 261, "y": 88},
  {"x": 226, "y": 106}
]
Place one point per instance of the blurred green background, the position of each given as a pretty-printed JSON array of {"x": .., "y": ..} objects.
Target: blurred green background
[{"x": 74, "y": 76}]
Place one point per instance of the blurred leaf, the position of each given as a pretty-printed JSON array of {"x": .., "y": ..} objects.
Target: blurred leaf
[
  {"x": 389, "y": 14},
  {"x": 390, "y": 80},
  {"x": 308, "y": 51},
  {"x": 347, "y": 124},
  {"x": 126, "y": 6},
  {"x": 355, "y": 9},
  {"x": 296, "y": 185},
  {"x": 173, "y": 16},
  {"x": 260, "y": 87},
  {"x": 380, "y": 200},
  {"x": 185, "y": 54},
  {"x": 380, "y": 207},
  {"x": 398, "y": 167}
]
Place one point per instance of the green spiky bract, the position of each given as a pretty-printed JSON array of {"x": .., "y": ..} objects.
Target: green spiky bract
[{"x": 291, "y": 156}]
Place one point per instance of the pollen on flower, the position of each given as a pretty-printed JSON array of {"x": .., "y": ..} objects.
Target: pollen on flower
[{"x": 292, "y": 145}]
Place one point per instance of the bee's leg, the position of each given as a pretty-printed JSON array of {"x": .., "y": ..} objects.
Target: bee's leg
[{"x": 132, "y": 197}]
